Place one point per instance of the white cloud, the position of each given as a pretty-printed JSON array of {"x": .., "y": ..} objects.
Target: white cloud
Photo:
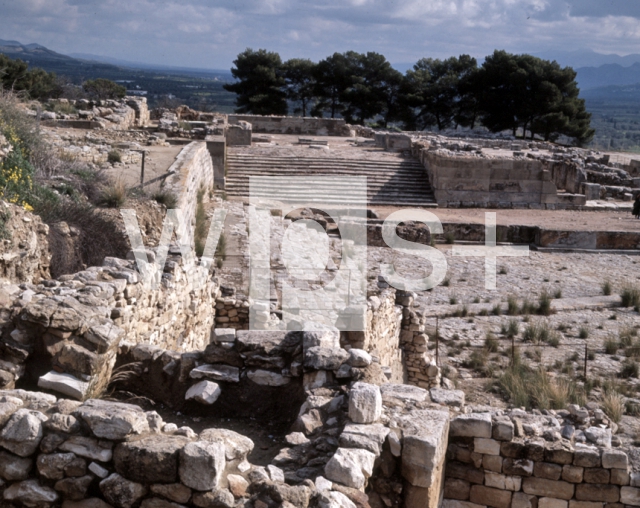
[{"x": 212, "y": 33}]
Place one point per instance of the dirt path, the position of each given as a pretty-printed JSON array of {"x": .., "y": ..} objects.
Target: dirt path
[{"x": 158, "y": 161}]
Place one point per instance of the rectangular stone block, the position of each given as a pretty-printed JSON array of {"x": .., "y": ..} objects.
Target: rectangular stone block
[
  {"x": 615, "y": 459},
  {"x": 572, "y": 474},
  {"x": 596, "y": 475},
  {"x": 522, "y": 500},
  {"x": 454, "y": 488},
  {"x": 547, "y": 470},
  {"x": 549, "y": 502},
  {"x": 446, "y": 503},
  {"x": 619, "y": 477},
  {"x": 472, "y": 425},
  {"x": 586, "y": 458},
  {"x": 630, "y": 496},
  {"x": 464, "y": 472},
  {"x": 551, "y": 488},
  {"x": 518, "y": 467},
  {"x": 486, "y": 446},
  {"x": 503, "y": 482},
  {"x": 492, "y": 463},
  {"x": 584, "y": 504},
  {"x": 488, "y": 496},
  {"x": 597, "y": 492},
  {"x": 502, "y": 430},
  {"x": 558, "y": 456}
]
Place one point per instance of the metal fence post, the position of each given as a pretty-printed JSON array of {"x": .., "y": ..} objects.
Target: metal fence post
[
  {"x": 437, "y": 342},
  {"x": 586, "y": 357}
]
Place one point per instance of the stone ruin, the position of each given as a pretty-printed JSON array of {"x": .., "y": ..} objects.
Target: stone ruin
[{"x": 371, "y": 422}]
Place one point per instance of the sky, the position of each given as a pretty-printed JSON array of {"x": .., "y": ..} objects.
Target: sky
[{"x": 210, "y": 33}]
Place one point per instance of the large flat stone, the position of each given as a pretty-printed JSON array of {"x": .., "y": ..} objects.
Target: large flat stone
[
  {"x": 113, "y": 420},
  {"x": 216, "y": 372},
  {"x": 65, "y": 384},
  {"x": 472, "y": 425},
  {"x": 424, "y": 445},
  {"x": 152, "y": 459}
]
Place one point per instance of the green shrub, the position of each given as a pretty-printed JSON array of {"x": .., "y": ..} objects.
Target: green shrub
[
  {"x": 584, "y": 332},
  {"x": 513, "y": 329},
  {"x": 611, "y": 346},
  {"x": 113, "y": 196},
  {"x": 165, "y": 198},
  {"x": 512, "y": 305},
  {"x": 114, "y": 156},
  {"x": 449, "y": 238},
  {"x": 629, "y": 369},
  {"x": 544, "y": 303},
  {"x": 491, "y": 343},
  {"x": 630, "y": 296},
  {"x": 606, "y": 288}
]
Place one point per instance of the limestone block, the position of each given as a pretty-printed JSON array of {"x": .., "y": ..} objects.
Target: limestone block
[
  {"x": 492, "y": 463},
  {"x": 8, "y": 406},
  {"x": 267, "y": 378},
  {"x": 153, "y": 459},
  {"x": 368, "y": 437},
  {"x": 365, "y": 403},
  {"x": 52, "y": 466},
  {"x": 619, "y": 477},
  {"x": 614, "y": 459},
  {"x": 630, "y": 496},
  {"x": 549, "y": 502},
  {"x": 572, "y": 474},
  {"x": 472, "y": 425},
  {"x": 397, "y": 394},
  {"x": 216, "y": 372},
  {"x": 547, "y": 470},
  {"x": 318, "y": 357},
  {"x": 446, "y": 503},
  {"x": 113, "y": 420},
  {"x": 326, "y": 338},
  {"x": 14, "y": 468},
  {"x": 486, "y": 446},
  {"x": 201, "y": 465},
  {"x": 205, "y": 392},
  {"x": 596, "y": 475},
  {"x": 30, "y": 493},
  {"x": 224, "y": 335},
  {"x": 23, "y": 432},
  {"x": 87, "y": 447},
  {"x": 236, "y": 446},
  {"x": 597, "y": 492},
  {"x": 359, "y": 358},
  {"x": 424, "y": 445},
  {"x": 502, "y": 482},
  {"x": 551, "y": 488},
  {"x": 522, "y": 500},
  {"x": 174, "y": 491},
  {"x": 455, "y": 488},
  {"x": 488, "y": 496},
  {"x": 454, "y": 398},
  {"x": 64, "y": 383},
  {"x": 502, "y": 430},
  {"x": 586, "y": 458},
  {"x": 237, "y": 485},
  {"x": 121, "y": 492},
  {"x": 350, "y": 467}
]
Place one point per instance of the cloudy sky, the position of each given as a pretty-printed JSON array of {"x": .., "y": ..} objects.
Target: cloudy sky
[{"x": 209, "y": 33}]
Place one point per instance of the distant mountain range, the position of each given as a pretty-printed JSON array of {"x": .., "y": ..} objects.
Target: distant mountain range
[
  {"x": 83, "y": 64},
  {"x": 595, "y": 70}
]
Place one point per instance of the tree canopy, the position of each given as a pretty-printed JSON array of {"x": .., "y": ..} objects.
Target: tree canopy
[
  {"x": 104, "y": 89},
  {"x": 36, "y": 83},
  {"x": 524, "y": 94}
]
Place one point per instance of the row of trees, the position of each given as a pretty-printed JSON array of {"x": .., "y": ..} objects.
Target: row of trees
[{"x": 520, "y": 93}]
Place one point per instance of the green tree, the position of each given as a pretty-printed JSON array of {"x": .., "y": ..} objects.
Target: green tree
[
  {"x": 102, "y": 89},
  {"x": 374, "y": 90},
  {"x": 440, "y": 91},
  {"x": 36, "y": 83},
  {"x": 300, "y": 83},
  {"x": 333, "y": 76},
  {"x": 260, "y": 83},
  {"x": 534, "y": 95}
]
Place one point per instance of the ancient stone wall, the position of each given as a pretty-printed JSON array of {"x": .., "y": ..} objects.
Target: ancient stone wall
[
  {"x": 461, "y": 180},
  {"x": 192, "y": 173},
  {"x": 65, "y": 334},
  {"x": 519, "y": 459},
  {"x": 293, "y": 125},
  {"x": 24, "y": 245}
]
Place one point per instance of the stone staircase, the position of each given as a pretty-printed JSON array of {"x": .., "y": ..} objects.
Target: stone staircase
[{"x": 390, "y": 181}]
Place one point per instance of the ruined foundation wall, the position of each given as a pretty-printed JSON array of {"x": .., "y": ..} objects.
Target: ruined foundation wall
[
  {"x": 293, "y": 125},
  {"x": 520, "y": 459},
  {"x": 495, "y": 183},
  {"x": 192, "y": 173}
]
